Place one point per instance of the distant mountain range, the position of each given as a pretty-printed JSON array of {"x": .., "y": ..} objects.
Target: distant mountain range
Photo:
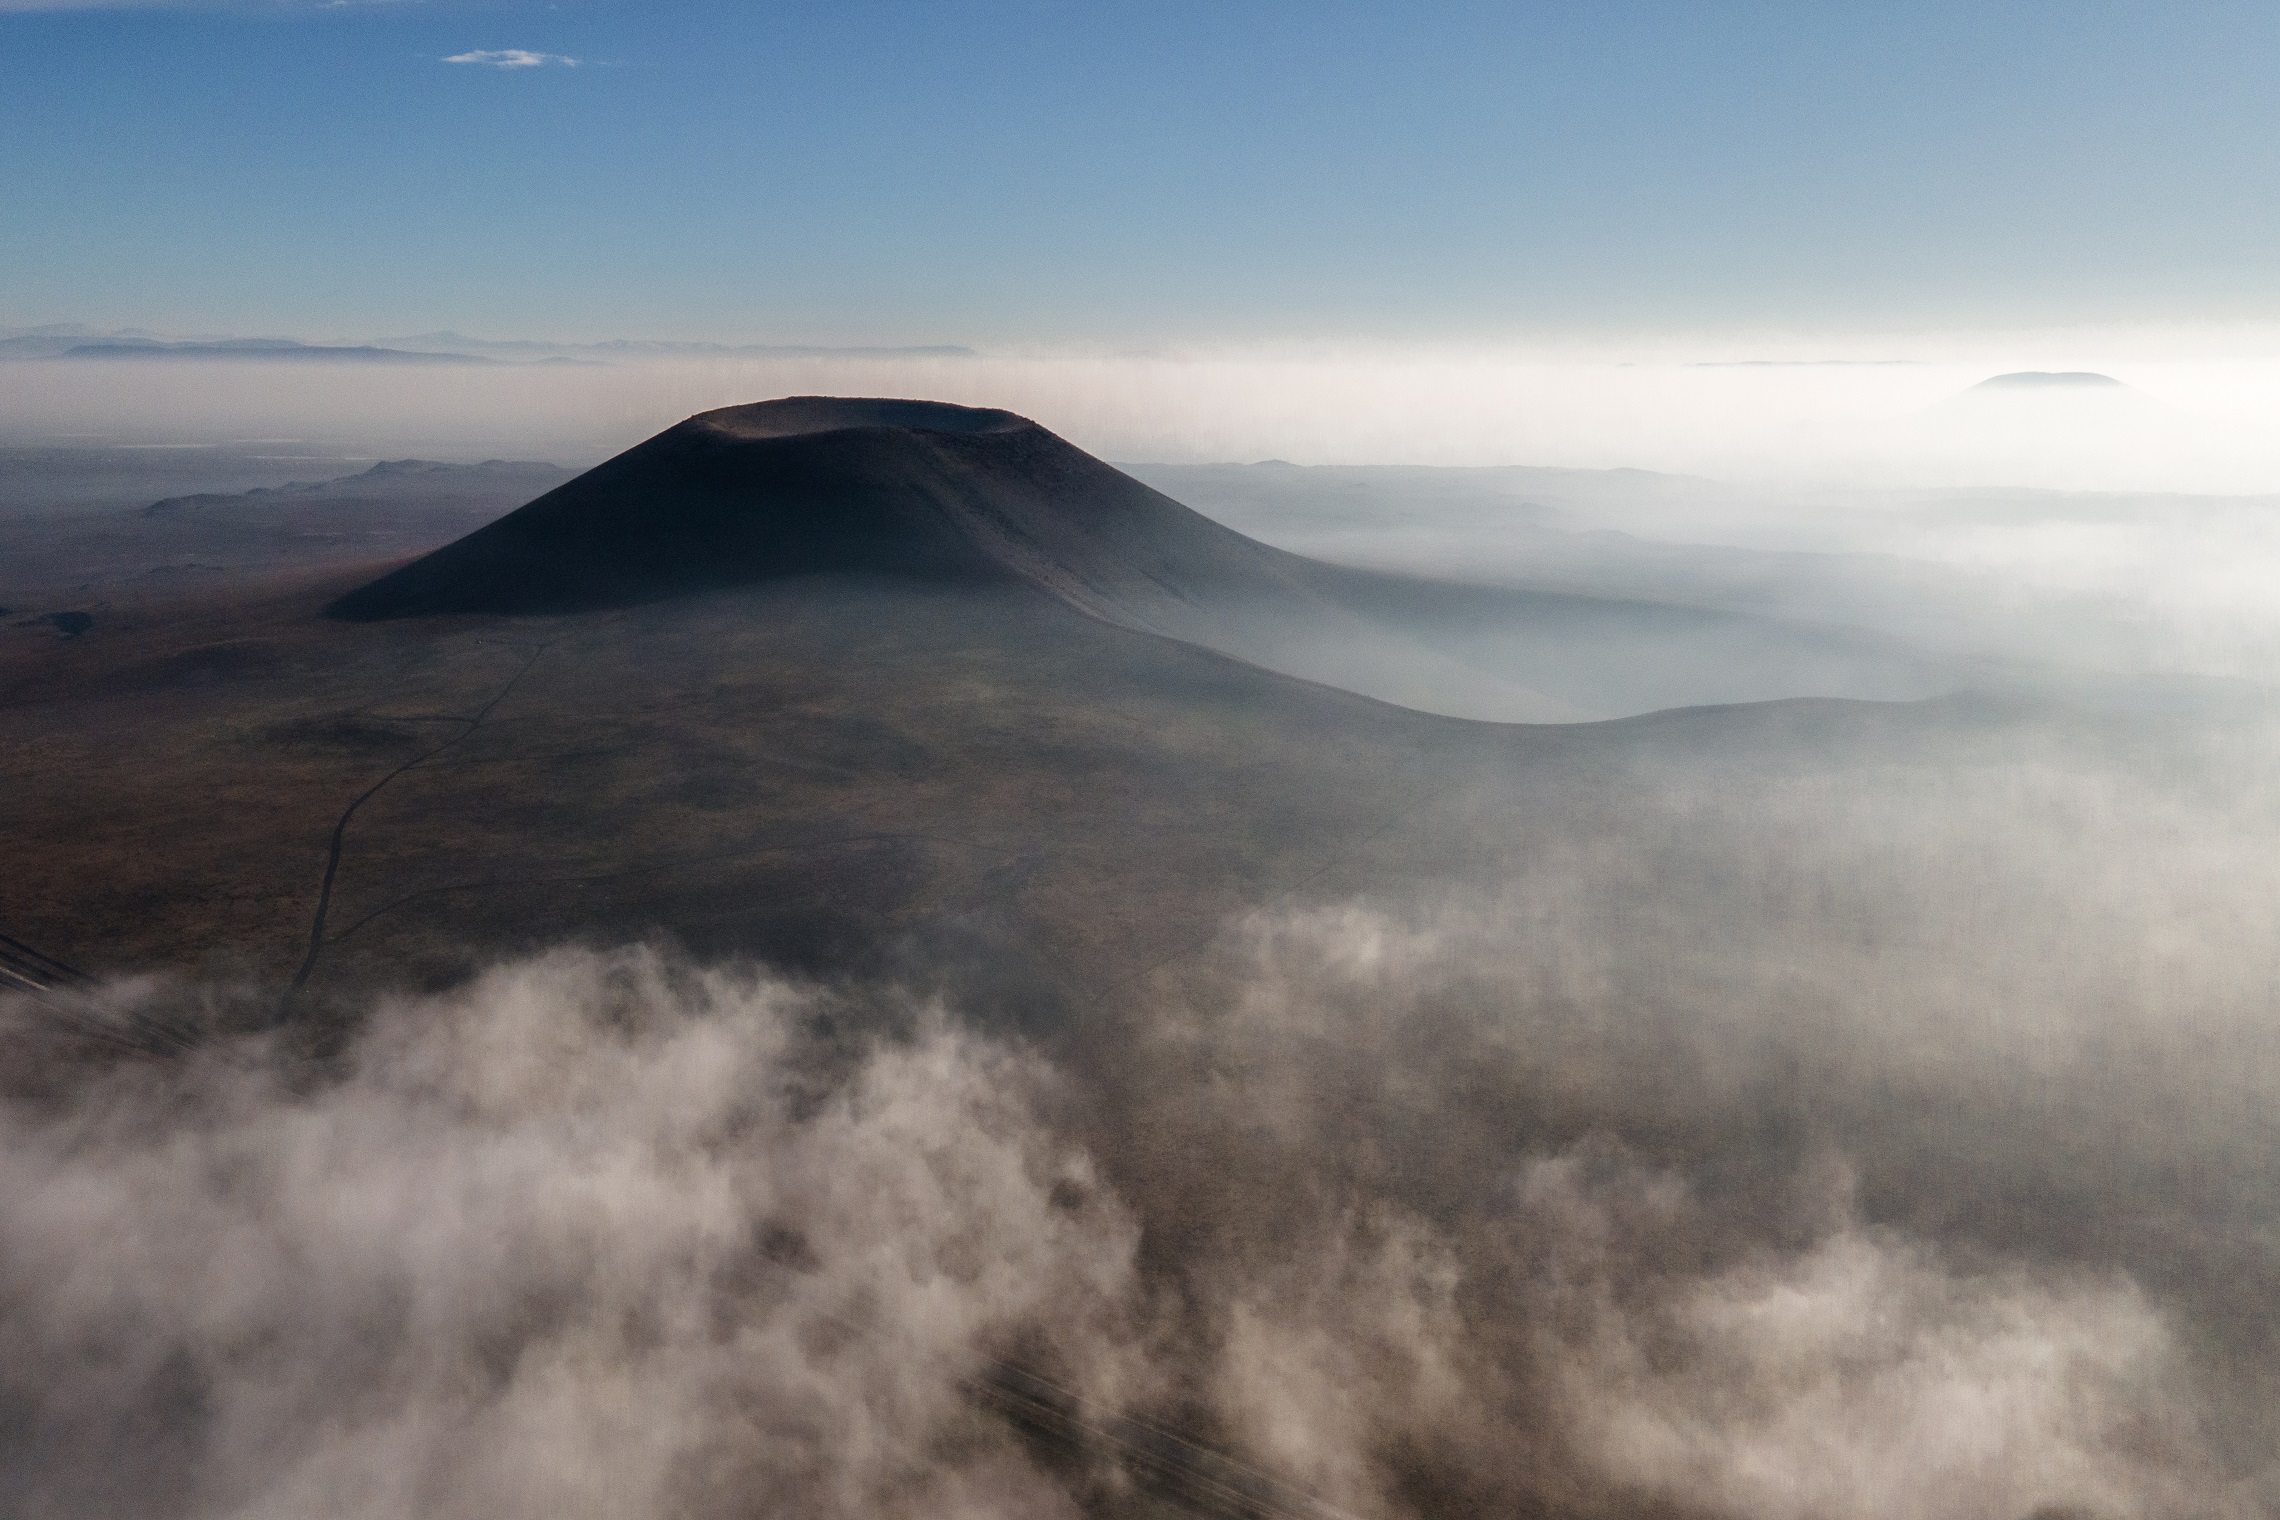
[
  {"x": 68, "y": 341},
  {"x": 639, "y": 348},
  {"x": 267, "y": 351},
  {"x": 71, "y": 340}
]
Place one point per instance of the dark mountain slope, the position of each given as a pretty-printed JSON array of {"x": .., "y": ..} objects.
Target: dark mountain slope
[
  {"x": 820, "y": 485},
  {"x": 929, "y": 492}
]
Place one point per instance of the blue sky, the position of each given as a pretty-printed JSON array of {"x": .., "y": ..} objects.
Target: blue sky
[{"x": 1039, "y": 172}]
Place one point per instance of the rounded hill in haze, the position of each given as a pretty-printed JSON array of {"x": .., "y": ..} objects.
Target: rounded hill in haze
[
  {"x": 2072, "y": 428},
  {"x": 2049, "y": 398},
  {"x": 2036, "y": 379}
]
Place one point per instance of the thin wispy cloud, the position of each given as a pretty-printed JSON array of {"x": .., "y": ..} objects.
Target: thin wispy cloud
[{"x": 512, "y": 58}]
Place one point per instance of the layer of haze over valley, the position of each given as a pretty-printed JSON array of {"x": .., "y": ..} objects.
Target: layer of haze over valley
[{"x": 1024, "y": 760}]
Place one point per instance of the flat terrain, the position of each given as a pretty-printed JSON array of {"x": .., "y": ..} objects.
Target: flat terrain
[
  {"x": 816, "y": 771},
  {"x": 937, "y": 727},
  {"x": 86, "y": 530}
]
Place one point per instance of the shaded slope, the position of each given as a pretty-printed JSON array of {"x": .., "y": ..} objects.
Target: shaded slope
[
  {"x": 818, "y": 485},
  {"x": 922, "y": 491},
  {"x": 948, "y": 495},
  {"x": 731, "y": 497}
]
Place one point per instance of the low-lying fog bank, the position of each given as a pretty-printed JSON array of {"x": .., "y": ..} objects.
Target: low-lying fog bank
[
  {"x": 1730, "y": 1132},
  {"x": 2028, "y": 524},
  {"x": 2145, "y": 584},
  {"x": 1753, "y": 1143},
  {"x": 2174, "y": 422}
]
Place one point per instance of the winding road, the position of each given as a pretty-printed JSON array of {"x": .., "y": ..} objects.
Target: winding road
[{"x": 340, "y": 828}]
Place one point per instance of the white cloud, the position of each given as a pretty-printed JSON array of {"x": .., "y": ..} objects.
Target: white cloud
[{"x": 512, "y": 58}]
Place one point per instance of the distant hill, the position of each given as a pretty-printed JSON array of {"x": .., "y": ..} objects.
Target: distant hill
[
  {"x": 2050, "y": 398},
  {"x": 60, "y": 340},
  {"x": 650, "y": 348},
  {"x": 56, "y": 338},
  {"x": 394, "y": 479},
  {"x": 395, "y": 508},
  {"x": 2035, "y": 379}
]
